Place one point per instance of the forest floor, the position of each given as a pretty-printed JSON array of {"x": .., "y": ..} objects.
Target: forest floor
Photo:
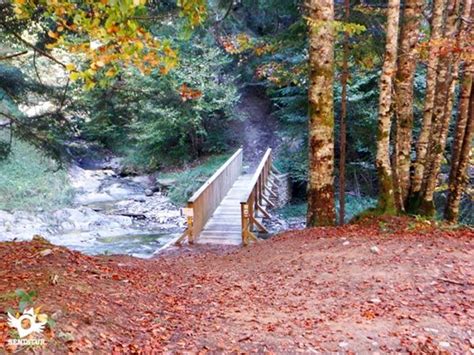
[{"x": 380, "y": 285}]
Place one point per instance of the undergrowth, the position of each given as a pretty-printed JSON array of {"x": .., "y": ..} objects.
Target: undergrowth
[
  {"x": 189, "y": 180},
  {"x": 354, "y": 206},
  {"x": 31, "y": 181}
]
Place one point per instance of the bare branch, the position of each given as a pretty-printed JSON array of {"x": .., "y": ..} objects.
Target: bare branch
[
  {"x": 9, "y": 56},
  {"x": 39, "y": 50}
]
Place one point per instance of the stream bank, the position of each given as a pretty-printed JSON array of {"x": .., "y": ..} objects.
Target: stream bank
[{"x": 110, "y": 214}]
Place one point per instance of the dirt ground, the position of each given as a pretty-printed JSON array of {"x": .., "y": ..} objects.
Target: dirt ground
[
  {"x": 381, "y": 286},
  {"x": 258, "y": 129}
]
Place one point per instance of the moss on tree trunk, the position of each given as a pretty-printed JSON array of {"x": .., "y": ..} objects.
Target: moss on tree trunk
[
  {"x": 431, "y": 76},
  {"x": 383, "y": 164},
  {"x": 321, "y": 210},
  {"x": 407, "y": 59}
]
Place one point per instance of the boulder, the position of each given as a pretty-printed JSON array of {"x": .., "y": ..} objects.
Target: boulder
[{"x": 165, "y": 184}]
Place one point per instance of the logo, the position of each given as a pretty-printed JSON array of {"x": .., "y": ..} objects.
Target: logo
[{"x": 28, "y": 323}]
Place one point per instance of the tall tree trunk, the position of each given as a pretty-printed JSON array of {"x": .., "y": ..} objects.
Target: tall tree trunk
[
  {"x": 407, "y": 60},
  {"x": 463, "y": 110},
  {"x": 442, "y": 112},
  {"x": 464, "y": 125},
  {"x": 321, "y": 209},
  {"x": 431, "y": 76},
  {"x": 342, "y": 154},
  {"x": 459, "y": 178},
  {"x": 384, "y": 169}
]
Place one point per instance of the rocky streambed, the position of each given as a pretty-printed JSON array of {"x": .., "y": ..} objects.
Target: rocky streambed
[{"x": 110, "y": 214}]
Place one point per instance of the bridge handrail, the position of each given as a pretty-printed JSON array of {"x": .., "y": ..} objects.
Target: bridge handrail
[
  {"x": 253, "y": 199},
  {"x": 260, "y": 175},
  {"x": 208, "y": 197}
]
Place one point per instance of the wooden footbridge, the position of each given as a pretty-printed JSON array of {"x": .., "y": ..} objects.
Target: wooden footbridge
[{"x": 229, "y": 207}]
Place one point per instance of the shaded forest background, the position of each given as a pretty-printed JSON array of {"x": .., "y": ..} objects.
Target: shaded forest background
[{"x": 163, "y": 122}]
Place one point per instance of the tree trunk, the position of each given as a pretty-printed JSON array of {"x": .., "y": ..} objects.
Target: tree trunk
[
  {"x": 458, "y": 177},
  {"x": 321, "y": 209},
  {"x": 342, "y": 154},
  {"x": 464, "y": 126},
  {"x": 431, "y": 76},
  {"x": 463, "y": 111},
  {"x": 384, "y": 170},
  {"x": 407, "y": 60},
  {"x": 442, "y": 112}
]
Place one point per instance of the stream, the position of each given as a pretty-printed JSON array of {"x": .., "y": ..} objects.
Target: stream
[{"x": 110, "y": 214}]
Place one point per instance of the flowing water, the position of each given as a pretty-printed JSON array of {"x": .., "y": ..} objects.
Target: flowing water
[
  {"x": 138, "y": 245},
  {"x": 110, "y": 215}
]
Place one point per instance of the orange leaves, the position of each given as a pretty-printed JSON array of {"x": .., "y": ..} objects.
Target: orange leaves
[
  {"x": 313, "y": 294},
  {"x": 236, "y": 44},
  {"x": 368, "y": 314},
  {"x": 53, "y": 34},
  {"x": 444, "y": 47},
  {"x": 188, "y": 93},
  {"x": 106, "y": 34},
  {"x": 243, "y": 43},
  {"x": 281, "y": 75},
  {"x": 262, "y": 49}
]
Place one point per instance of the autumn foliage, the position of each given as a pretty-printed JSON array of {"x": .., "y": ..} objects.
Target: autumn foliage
[{"x": 322, "y": 290}]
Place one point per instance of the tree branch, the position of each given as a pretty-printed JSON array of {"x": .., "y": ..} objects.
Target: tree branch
[
  {"x": 36, "y": 68},
  {"x": 40, "y": 51},
  {"x": 229, "y": 9},
  {"x": 9, "y": 56}
]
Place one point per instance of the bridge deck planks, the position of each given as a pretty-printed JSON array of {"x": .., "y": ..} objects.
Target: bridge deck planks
[{"x": 224, "y": 227}]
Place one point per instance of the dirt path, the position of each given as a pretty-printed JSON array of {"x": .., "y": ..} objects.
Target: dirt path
[
  {"x": 258, "y": 130},
  {"x": 324, "y": 290}
]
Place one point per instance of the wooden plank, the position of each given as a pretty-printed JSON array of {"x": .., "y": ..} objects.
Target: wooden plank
[
  {"x": 217, "y": 235},
  {"x": 225, "y": 225},
  {"x": 223, "y": 234},
  {"x": 220, "y": 242}
]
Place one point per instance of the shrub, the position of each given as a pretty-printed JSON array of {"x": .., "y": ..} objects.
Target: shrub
[{"x": 190, "y": 180}]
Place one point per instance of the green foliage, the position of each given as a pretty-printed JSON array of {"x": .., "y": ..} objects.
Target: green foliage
[
  {"x": 284, "y": 70},
  {"x": 354, "y": 206},
  {"x": 166, "y": 119},
  {"x": 466, "y": 211},
  {"x": 25, "y": 298},
  {"x": 29, "y": 180},
  {"x": 263, "y": 17},
  {"x": 11, "y": 79},
  {"x": 338, "y": 26},
  {"x": 190, "y": 179},
  {"x": 293, "y": 211}
]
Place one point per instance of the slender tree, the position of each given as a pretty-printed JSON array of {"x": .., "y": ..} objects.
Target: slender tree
[
  {"x": 442, "y": 111},
  {"x": 431, "y": 76},
  {"x": 464, "y": 125},
  {"x": 407, "y": 60},
  {"x": 342, "y": 153},
  {"x": 458, "y": 178},
  {"x": 383, "y": 164},
  {"x": 321, "y": 209}
]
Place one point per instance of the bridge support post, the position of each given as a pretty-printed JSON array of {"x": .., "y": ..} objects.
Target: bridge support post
[
  {"x": 247, "y": 220},
  {"x": 189, "y": 212}
]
